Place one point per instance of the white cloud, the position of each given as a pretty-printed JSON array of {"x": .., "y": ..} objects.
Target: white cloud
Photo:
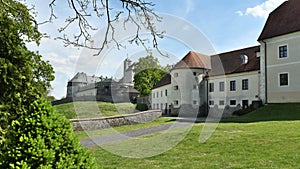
[
  {"x": 190, "y": 7},
  {"x": 262, "y": 10},
  {"x": 240, "y": 13}
]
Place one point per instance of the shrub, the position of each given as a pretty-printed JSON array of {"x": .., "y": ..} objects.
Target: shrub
[
  {"x": 40, "y": 138},
  {"x": 241, "y": 112},
  {"x": 142, "y": 107}
]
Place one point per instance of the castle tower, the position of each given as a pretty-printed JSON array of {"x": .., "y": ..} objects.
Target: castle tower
[{"x": 128, "y": 71}]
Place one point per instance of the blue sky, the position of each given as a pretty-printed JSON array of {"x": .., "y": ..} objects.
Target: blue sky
[{"x": 208, "y": 27}]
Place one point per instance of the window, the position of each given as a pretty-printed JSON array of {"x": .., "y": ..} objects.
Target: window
[
  {"x": 221, "y": 103},
  {"x": 176, "y": 103},
  {"x": 195, "y": 102},
  {"x": 175, "y": 74},
  {"x": 232, "y": 85},
  {"x": 195, "y": 73},
  {"x": 283, "y": 79},
  {"x": 283, "y": 51},
  {"x": 211, "y": 102},
  {"x": 157, "y": 106},
  {"x": 245, "y": 84},
  {"x": 153, "y": 94},
  {"x": 195, "y": 87},
  {"x": 232, "y": 102},
  {"x": 153, "y": 106},
  {"x": 211, "y": 87},
  {"x": 166, "y": 92},
  {"x": 157, "y": 94},
  {"x": 221, "y": 86},
  {"x": 176, "y": 87},
  {"x": 161, "y": 93}
]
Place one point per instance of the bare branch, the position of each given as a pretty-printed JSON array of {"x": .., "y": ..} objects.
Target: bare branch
[{"x": 138, "y": 12}]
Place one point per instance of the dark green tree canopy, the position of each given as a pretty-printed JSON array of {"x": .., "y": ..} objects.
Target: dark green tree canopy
[
  {"x": 148, "y": 72},
  {"x": 32, "y": 135},
  {"x": 145, "y": 80}
]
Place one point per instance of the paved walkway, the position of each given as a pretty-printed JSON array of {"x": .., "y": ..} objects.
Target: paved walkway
[{"x": 106, "y": 139}]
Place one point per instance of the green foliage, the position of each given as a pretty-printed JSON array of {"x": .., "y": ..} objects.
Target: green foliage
[
  {"x": 142, "y": 107},
  {"x": 32, "y": 135},
  {"x": 243, "y": 111},
  {"x": 24, "y": 75},
  {"x": 148, "y": 72},
  {"x": 145, "y": 80},
  {"x": 148, "y": 62},
  {"x": 43, "y": 139}
]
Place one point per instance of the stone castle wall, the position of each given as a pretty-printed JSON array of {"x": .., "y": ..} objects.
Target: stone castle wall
[{"x": 114, "y": 121}]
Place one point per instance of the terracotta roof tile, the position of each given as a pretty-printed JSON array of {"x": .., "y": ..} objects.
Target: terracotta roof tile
[
  {"x": 224, "y": 63},
  {"x": 284, "y": 19},
  {"x": 194, "y": 60}
]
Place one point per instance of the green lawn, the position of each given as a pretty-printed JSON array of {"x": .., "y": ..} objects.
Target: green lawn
[
  {"x": 93, "y": 109},
  {"x": 93, "y": 133},
  {"x": 266, "y": 138},
  {"x": 271, "y": 112}
]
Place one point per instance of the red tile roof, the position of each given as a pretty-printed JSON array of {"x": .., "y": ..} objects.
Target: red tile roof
[
  {"x": 194, "y": 60},
  {"x": 222, "y": 64},
  {"x": 283, "y": 20}
]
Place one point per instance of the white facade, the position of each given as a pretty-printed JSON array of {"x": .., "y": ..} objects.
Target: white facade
[
  {"x": 234, "y": 89},
  {"x": 161, "y": 98}
]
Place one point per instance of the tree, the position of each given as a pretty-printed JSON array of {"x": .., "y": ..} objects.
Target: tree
[
  {"x": 42, "y": 138},
  {"x": 32, "y": 135},
  {"x": 139, "y": 13},
  {"x": 148, "y": 62},
  {"x": 24, "y": 76},
  {"x": 145, "y": 80},
  {"x": 148, "y": 72}
]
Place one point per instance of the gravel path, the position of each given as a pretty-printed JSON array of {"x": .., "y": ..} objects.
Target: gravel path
[{"x": 101, "y": 140}]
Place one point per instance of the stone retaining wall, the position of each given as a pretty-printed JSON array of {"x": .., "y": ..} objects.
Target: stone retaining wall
[{"x": 114, "y": 121}]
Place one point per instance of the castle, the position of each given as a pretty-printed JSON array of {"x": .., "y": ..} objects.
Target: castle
[
  {"x": 268, "y": 73},
  {"x": 83, "y": 87}
]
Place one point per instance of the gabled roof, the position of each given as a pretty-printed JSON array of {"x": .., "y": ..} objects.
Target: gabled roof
[
  {"x": 231, "y": 62},
  {"x": 223, "y": 64},
  {"x": 194, "y": 60},
  {"x": 283, "y": 20},
  {"x": 164, "y": 81},
  {"x": 84, "y": 78}
]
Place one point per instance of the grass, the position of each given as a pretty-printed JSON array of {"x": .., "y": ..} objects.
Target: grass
[
  {"x": 271, "y": 112},
  {"x": 266, "y": 138},
  {"x": 94, "y": 109},
  {"x": 94, "y": 133}
]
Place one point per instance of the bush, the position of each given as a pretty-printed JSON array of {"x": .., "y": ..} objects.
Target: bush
[
  {"x": 40, "y": 138},
  {"x": 244, "y": 111},
  {"x": 142, "y": 107}
]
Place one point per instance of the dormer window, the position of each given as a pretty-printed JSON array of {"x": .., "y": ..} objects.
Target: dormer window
[{"x": 244, "y": 59}]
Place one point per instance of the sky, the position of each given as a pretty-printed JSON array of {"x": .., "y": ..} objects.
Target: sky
[{"x": 205, "y": 26}]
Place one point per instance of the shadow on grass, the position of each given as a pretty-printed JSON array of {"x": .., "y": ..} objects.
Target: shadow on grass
[{"x": 271, "y": 112}]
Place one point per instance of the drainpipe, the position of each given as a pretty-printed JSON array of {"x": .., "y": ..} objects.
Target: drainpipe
[
  {"x": 266, "y": 73},
  {"x": 206, "y": 80}
]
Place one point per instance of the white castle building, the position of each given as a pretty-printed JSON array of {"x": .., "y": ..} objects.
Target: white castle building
[{"x": 268, "y": 73}]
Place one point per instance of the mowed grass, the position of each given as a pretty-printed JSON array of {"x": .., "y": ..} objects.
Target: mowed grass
[
  {"x": 271, "y": 112},
  {"x": 265, "y": 139},
  {"x": 96, "y": 133},
  {"x": 94, "y": 109}
]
